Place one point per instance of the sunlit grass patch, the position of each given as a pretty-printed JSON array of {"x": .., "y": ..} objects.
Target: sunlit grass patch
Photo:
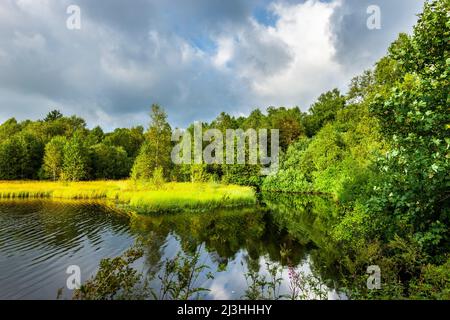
[
  {"x": 138, "y": 196},
  {"x": 190, "y": 196}
]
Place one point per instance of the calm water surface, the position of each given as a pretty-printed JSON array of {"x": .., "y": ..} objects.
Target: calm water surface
[{"x": 39, "y": 239}]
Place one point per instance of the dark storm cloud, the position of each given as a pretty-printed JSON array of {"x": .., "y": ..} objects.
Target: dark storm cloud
[
  {"x": 126, "y": 56},
  {"x": 195, "y": 19},
  {"x": 357, "y": 46}
]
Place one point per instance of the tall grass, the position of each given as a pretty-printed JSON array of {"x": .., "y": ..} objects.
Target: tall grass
[{"x": 138, "y": 196}]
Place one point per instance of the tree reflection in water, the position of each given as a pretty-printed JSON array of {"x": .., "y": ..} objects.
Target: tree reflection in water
[{"x": 269, "y": 243}]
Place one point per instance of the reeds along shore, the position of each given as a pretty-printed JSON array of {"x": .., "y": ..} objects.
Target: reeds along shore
[{"x": 141, "y": 197}]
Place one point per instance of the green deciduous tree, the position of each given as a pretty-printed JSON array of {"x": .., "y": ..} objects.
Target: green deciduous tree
[
  {"x": 414, "y": 114},
  {"x": 54, "y": 157},
  {"x": 156, "y": 150},
  {"x": 129, "y": 139},
  {"x": 20, "y": 157},
  {"x": 11, "y": 155},
  {"x": 109, "y": 162},
  {"x": 76, "y": 159},
  {"x": 289, "y": 122},
  {"x": 95, "y": 136},
  {"x": 53, "y": 115},
  {"x": 324, "y": 111}
]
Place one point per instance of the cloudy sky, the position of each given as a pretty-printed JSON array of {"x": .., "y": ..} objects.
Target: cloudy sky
[{"x": 193, "y": 57}]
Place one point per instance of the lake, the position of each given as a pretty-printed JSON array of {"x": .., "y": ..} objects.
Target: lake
[{"x": 40, "y": 239}]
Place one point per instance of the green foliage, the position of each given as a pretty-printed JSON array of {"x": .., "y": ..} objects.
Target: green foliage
[
  {"x": 129, "y": 139},
  {"x": 109, "y": 162},
  {"x": 433, "y": 283},
  {"x": 53, "y": 116},
  {"x": 95, "y": 136},
  {"x": 412, "y": 195},
  {"x": 20, "y": 157},
  {"x": 199, "y": 173},
  {"x": 242, "y": 174},
  {"x": 287, "y": 180},
  {"x": 11, "y": 155},
  {"x": 54, "y": 157},
  {"x": 9, "y": 128},
  {"x": 57, "y": 126},
  {"x": 404, "y": 272},
  {"x": 158, "y": 178},
  {"x": 32, "y": 149},
  {"x": 288, "y": 121},
  {"x": 262, "y": 287},
  {"x": 302, "y": 285},
  {"x": 336, "y": 160},
  {"x": 115, "y": 279},
  {"x": 294, "y": 173},
  {"x": 385, "y": 156},
  {"x": 155, "y": 152},
  {"x": 353, "y": 228},
  {"x": 360, "y": 87},
  {"x": 180, "y": 276},
  {"x": 76, "y": 159},
  {"x": 255, "y": 120},
  {"x": 324, "y": 111},
  {"x": 143, "y": 165}
]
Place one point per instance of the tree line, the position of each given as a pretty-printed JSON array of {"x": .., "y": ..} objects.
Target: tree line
[
  {"x": 59, "y": 147},
  {"x": 62, "y": 148}
]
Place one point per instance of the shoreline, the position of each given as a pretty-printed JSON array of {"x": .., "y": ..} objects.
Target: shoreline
[{"x": 139, "y": 197}]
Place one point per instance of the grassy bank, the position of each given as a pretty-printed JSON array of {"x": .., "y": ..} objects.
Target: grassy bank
[{"x": 138, "y": 196}]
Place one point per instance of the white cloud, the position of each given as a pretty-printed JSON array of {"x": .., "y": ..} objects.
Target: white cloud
[
  {"x": 225, "y": 52},
  {"x": 289, "y": 63},
  {"x": 305, "y": 28}
]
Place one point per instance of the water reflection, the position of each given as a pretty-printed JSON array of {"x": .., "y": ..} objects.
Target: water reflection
[{"x": 39, "y": 239}]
